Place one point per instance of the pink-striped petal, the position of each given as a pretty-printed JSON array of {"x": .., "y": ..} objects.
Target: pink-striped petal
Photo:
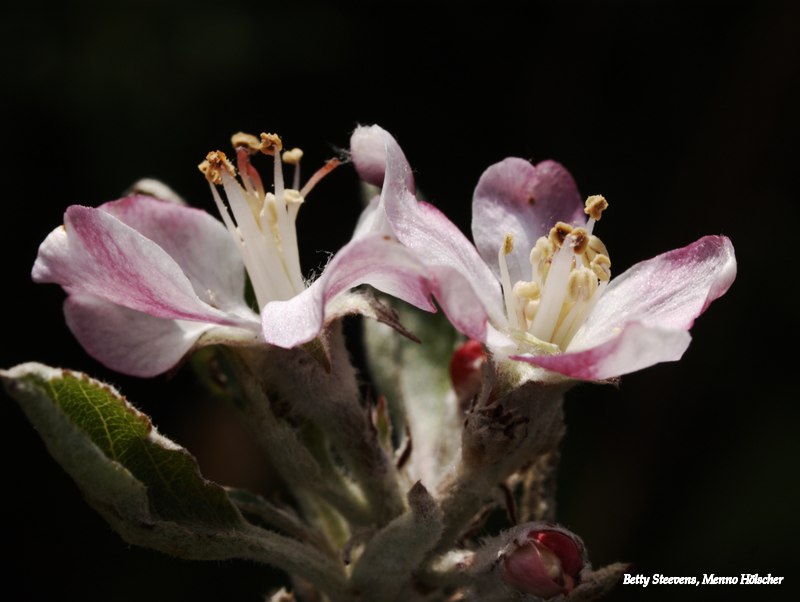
[
  {"x": 634, "y": 348},
  {"x": 375, "y": 260},
  {"x": 136, "y": 343},
  {"x": 668, "y": 291},
  {"x": 198, "y": 242},
  {"x": 96, "y": 253},
  {"x": 368, "y": 151},
  {"x": 514, "y": 196}
]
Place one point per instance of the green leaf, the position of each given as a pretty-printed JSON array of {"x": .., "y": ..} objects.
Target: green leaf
[
  {"x": 148, "y": 488},
  {"x": 115, "y": 454}
]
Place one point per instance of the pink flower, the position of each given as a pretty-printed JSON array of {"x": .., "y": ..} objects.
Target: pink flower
[
  {"x": 536, "y": 289},
  {"x": 149, "y": 281}
]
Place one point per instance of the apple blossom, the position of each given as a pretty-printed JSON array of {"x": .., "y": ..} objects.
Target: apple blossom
[
  {"x": 148, "y": 281},
  {"x": 537, "y": 288}
]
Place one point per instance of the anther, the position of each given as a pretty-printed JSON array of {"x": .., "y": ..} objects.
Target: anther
[
  {"x": 212, "y": 167},
  {"x": 581, "y": 240},
  {"x": 596, "y": 247},
  {"x": 595, "y": 205},
  {"x": 540, "y": 251},
  {"x": 558, "y": 233},
  {"x": 293, "y": 201},
  {"x": 292, "y": 157},
  {"x": 581, "y": 281},
  {"x": 508, "y": 244},
  {"x": 270, "y": 143},
  {"x": 601, "y": 266},
  {"x": 248, "y": 141},
  {"x": 505, "y": 280},
  {"x": 527, "y": 290}
]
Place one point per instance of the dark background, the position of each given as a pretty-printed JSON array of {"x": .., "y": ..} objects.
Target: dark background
[{"x": 684, "y": 115}]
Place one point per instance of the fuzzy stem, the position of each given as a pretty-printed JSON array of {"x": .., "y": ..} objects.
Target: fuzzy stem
[
  {"x": 331, "y": 399},
  {"x": 501, "y": 435}
]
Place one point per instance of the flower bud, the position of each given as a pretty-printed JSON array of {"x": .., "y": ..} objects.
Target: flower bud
[
  {"x": 466, "y": 370},
  {"x": 547, "y": 565},
  {"x": 531, "y": 561}
]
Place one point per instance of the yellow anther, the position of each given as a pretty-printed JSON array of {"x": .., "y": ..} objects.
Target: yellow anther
[
  {"x": 541, "y": 251},
  {"x": 212, "y": 167},
  {"x": 269, "y": 211},
  {"x": 601, "y": 266},
  {"x": 595, "y": 205},
  {"x": 580, "y": 281},
  {"x": 248, "y": 141},
  {"x": 544, "y": 268},
  {"x": 270, "y": 143},
  {"x": 508, "y": 244},
  {"x": 558, "y": 233},
  {"x": 530, "y": 309},
  {"x": 596, "y": 247},
  {"x": 292, "y": 156},
  {"x": 581, "y": 239},
  {"x": 292, "y": 197},
  {"x": 527, "y": 290}
]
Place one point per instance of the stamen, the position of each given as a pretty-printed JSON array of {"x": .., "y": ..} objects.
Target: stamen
[
  {"x": 213, "y": 166},
  {"x": 292, "y": 157},
  {"x": 250, "y": 177},
  {"x": 261, "y": 291},
  {"x": 247, "y": 141},
  {"x": 505, "y": 249},
  {"x": 539, "y": 253},
  {"x": 569, "y": 318},
  {"x": 527, "y": 290},
  {"x": 586, "y": 309},
  {"x": 323, "y": 171},
  {"x": 544, "y": 323},
  {"x": 286, "y": 228},
  {"x": 581, "y": 282},
  {"x": 258, "y": 245},
  {"x": 595, "y": 205},
  {"x": 596, "y": 247},
  {"x": 293, "y": 202},
  {"x": 581, "y": 239},
  {"x": 601, "y": 266},
  {"x": 270, "y": 143},
  {"x": 558, "y": 233}
]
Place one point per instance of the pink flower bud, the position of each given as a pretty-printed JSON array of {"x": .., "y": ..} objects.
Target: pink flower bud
[
  {"x": 547, "y": 565},
  {"x": 466, "y": 370}
]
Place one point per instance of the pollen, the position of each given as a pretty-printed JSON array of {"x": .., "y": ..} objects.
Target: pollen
[
  {"x": 601, "y": 266},
  {"x": 508, "y": 244},
  {"x": 595, "y": 205},
  {"x": 292, "y": 157},
  {"x": 581, "y": 284},
  {"x": 581, "y": 240},
  {"x": 212, "y": 167},
  {"x": 270, "y": 143},
  {"x": 527, "y": 290},
  {"x": 570, "y": 270},
  {"x": 248, "y": 141},
  {"x": 558, "y": 233}
]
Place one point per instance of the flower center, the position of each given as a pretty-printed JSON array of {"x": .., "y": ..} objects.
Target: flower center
[
  {"x": 264, "y": 230},
  {"x": 570, "y": 269}
]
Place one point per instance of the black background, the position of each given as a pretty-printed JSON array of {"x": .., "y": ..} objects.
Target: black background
[{"x": 684, "y": 115}]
